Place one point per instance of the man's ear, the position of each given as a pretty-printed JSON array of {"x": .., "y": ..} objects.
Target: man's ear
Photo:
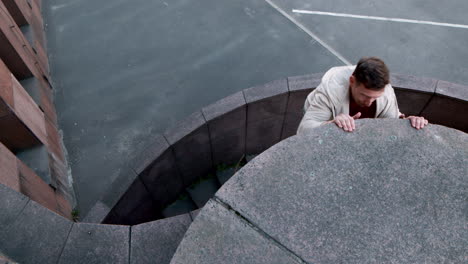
[{"x": 352, "y": 80}]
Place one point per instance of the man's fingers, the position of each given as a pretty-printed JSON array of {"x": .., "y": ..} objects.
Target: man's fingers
[
  {"x": 419, "y": 123},
  {"x": 356, "y": 116},
  {"x": 413, "y": 122},
  {"x": 349, "y": 125},
  {"x": 338, "y": 123}
]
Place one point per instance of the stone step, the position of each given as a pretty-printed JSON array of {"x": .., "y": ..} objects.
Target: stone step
[
  {"x": 202, "y": 191},
  {"x": 181, "y": 206},
  {"x": 96, "y": 243},
  {"x": 157, "y": 241}
]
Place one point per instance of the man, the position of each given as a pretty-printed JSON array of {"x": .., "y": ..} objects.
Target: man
[{"x": 351, "y": 92}]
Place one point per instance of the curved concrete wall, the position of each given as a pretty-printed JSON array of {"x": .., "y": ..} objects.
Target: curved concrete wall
[
  {"x": 244, "y": 123},
  {"x": 247, "y": 122}
]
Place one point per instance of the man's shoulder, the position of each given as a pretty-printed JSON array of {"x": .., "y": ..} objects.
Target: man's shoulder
[{"x": 339, "y": 72}]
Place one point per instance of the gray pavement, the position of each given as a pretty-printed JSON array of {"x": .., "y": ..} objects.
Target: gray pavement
[
  {"x": 125, "y": 70},
  {"x": 413, "y": 49}
]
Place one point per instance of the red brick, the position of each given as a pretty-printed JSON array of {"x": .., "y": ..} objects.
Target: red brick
[
  {"x": 35, "y": 188},
  {"x": 28, "y": 111},
  {"x": 54, "y": 139},
  {"x": 63, "y": 206},
  {"x": 8, "y": 170},
  {"x": 15, "y": 11},
  {"x": 15, "y": 135},
  {"x": 6, "y": 91}
]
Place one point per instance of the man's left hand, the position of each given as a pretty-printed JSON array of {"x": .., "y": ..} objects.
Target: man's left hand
[{"x": 418, "y": 122}]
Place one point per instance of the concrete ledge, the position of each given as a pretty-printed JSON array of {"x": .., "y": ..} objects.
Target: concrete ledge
[
  {"x": 95, "y": 243},
  {"x": 266, "y": 106},
  {"x": 336, "y": 197},
  {"x": 413, "y": 93},
  {"x": 449, "y": 106},
  {"x": 11, "y": 204},
  {"x": 227, "y": 126},
  {"x": 220, "y": 236},
  {"x": 37, "y": 235},
  {"x": 190, "y": 138},
  {"x": 156, "y": 242},
  {"x": 136, "y": 206},
  {"x": 253, "y": 120},
  {"x": 299, "y": 87},
  {"x": 156, "y": 167}
]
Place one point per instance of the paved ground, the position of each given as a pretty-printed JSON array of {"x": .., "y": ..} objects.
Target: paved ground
[{"x": 124, "y": 70}]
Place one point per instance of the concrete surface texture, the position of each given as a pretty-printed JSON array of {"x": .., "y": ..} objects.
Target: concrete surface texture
[
  {"x": 124, "y": 70},
  {"x": 384, "y": 193}
]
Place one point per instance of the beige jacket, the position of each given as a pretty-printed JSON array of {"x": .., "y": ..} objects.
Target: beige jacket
[{"x": 331, "y": 98}]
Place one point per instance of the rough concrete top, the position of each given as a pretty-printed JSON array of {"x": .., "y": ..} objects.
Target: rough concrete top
[
  {"x": 219, "y": 236},
  {"x": 223, "y": 106},
  {"x": 267, "y": 90},
  {"x": 453, "y": 90},
  {"x": 384, "y": 193}
]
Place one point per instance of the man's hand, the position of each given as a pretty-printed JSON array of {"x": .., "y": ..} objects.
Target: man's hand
[
  {"x": 417, "y": 122},
  {"x": 346, "y": 122}
]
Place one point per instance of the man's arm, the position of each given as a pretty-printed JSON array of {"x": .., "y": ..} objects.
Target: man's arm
[
  {"x": 318, "y": 113},
  {"x": 391, "y": 111}
]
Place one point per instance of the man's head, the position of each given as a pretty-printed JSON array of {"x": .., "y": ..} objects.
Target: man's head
[{"x": 368, "y": 80}]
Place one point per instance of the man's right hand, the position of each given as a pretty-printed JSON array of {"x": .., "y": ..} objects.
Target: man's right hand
[{"x": 346, "y": 121}]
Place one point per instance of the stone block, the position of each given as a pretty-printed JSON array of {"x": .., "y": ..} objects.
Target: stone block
[
  {"x": 9, "y": 174},
  {"x": 190, "y": 142},
  {"x": 263, "y": 134},
  {"x": 449, "y": 106},
  {"x": 226, "y": 120},
  {"x": 202, "y": 191},
  {"x": 413, "y": 93},
  {"x": 37, "y": 158},
  {"x": 266, "y": 101},
  {"x": 219, "y": 236},
  {"x": 157, "y": 241},
  {"x": 134, "y": 207},
  {"x": 12, "y": 203},
  {"x": 96, "y": 243},
  {"x": 299, "y": 89},
  {"x": 396, "y": 197},
  {"x": 230, "y": 147},
  {"x": 156, "y": 167},
  {"x": 36, "y": 236}
]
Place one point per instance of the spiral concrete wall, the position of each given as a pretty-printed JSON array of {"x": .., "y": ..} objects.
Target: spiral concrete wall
[{"x": 247, "y": 122}]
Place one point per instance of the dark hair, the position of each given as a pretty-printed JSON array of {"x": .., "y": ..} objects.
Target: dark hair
[{"x": 372, "y": 72}]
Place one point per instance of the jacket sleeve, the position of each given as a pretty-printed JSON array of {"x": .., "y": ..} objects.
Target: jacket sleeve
[
  {"x": 318, "y": 112},
  {"x": 391, "y": 108}
]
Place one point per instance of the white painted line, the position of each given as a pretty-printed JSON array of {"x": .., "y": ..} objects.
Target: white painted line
[
  {"x": 315, "y": 37},
  {"x": 401, "y": 20}
]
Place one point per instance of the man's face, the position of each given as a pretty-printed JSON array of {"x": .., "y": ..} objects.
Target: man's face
[{"x": 363, "y": 96}]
